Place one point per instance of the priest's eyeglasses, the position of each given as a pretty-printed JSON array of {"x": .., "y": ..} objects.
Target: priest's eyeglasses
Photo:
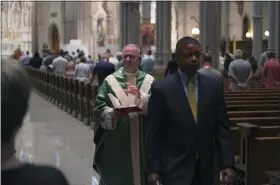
[{"x": 127, "y": 57}]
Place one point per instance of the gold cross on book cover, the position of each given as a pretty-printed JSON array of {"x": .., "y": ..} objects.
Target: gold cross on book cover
[{"x": 123, "y": 107}]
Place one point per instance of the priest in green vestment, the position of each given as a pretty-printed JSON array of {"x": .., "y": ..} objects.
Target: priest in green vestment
[{"x": 119, "y": 153}]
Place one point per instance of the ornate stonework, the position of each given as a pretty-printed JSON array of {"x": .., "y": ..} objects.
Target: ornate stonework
[{"x": 16, "y": 25}]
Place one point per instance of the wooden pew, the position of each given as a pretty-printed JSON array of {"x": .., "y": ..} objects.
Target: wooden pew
[
  {"x": 87, "y": 100},
  {"x": 258, "y": 153},
  {"x": 75, "y": 107},
  {"x": 60, "y": 89},
  {"x": 70, "y": 96},
  {"x": 252, "y": 94},
  {"x": 251, "y": 102},
  {"x": 262, "y": 122},
  {"x": 65, "y": 94},
  {"x": 246, "y": 98},
  {"x": 80, "y": 100},
  {"x": 262, "y": 109},
  {"x": 270, "y": 106},
  {"x": 256, "y": 113}
]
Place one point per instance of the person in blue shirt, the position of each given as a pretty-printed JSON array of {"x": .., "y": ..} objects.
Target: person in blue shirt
[
  {"x": 102, "y": 69},
  {"x": 148, "y": 62}
]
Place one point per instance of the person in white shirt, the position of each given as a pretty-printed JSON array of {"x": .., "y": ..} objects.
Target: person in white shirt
[
  {"x": 82, "y": 70},
  {"x": 113, "y": 61},
  {"x": 25, "y": 59},
  {"x": 59, "y": 65},
  {"x": 148, "y": 62},
  {"x": 221, "y": 63}
]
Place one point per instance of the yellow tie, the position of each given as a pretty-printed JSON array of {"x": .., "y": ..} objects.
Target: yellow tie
[{"x": 192, "y": 99}]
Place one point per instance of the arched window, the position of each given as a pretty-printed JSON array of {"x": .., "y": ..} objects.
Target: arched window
[{"x": 246, "y": 26}]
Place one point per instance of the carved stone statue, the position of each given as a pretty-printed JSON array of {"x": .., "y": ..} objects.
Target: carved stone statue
[
  {"x": 45, "y": 45},
  {"x": 100, "y": 33},
  {"x": 45, "y": 49},
  {"x": 16, "y": 15},
  {"x": 17, "y": 19},
  {"x": 26, "y": 15},
  {"x": 26, "y": 19}
]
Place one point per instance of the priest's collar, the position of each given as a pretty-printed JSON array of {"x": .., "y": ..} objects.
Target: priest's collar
[{"x": 129, "y": 74}]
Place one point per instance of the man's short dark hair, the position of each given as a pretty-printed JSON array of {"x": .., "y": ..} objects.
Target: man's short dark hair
[
  {"x": 108, "y": 51},
  {"x": 61, "y": 52},
  {"x": 83, "y": 59},
  {"x": 27, "y": 52},
  {"x": 270, "y": 55},
  {"x": 149, "y": 52},
  {"x": 14, "y": 98},
  {"x": 80, "y": 55},
  {"x": 173, "y": 56},
  {"x": 207, "y": 58},
  {"x": 184, "y": 41}
]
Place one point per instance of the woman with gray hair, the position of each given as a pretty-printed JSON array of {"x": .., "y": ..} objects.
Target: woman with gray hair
[{"x": 15, "y": 93}]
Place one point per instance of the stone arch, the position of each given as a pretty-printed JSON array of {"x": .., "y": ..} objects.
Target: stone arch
[
  {"x": 54, "y": 37},
  {"x": 245, "y": 26}
]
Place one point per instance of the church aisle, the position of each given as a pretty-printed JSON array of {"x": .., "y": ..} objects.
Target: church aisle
[{"x": 50, "y": 136}]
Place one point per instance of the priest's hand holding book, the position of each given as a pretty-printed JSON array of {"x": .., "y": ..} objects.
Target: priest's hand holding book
[{"x": 124, "y": 109}]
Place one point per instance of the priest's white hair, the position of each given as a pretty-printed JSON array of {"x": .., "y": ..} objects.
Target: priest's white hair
[{"x": 133, "y": 45}]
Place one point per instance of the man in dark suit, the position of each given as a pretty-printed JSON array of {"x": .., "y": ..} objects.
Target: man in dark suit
[{"x": 187, "y": 117}]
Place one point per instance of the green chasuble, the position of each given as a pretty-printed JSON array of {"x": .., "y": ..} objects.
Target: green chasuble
[{"x": 119, "y": 153}]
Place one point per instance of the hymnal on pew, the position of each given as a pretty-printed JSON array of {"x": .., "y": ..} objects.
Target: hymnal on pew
[{"x": 123, "y": 108}]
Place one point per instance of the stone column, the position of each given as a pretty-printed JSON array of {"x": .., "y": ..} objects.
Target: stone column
[
  {"x": 146, "y": 19},
  {"x": 146, "y": 12},
  {"x": 129, "y": 23},
  {"x": 163, "y": 34},
  {"x": 81, "y": 21},
  {"x": 277, "y": 24},
  {"x": 208, "y": 32},
  {"x": 34, "y": 23},
  {"x": 64, "y": 22},
  {"x": 212, "y": 30},
  {"x": 202, "y": 24},
  {"x": 225, "y": 22},
  {"x": 272, "y": 25},
  {"x": 257, "y": 29}
]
